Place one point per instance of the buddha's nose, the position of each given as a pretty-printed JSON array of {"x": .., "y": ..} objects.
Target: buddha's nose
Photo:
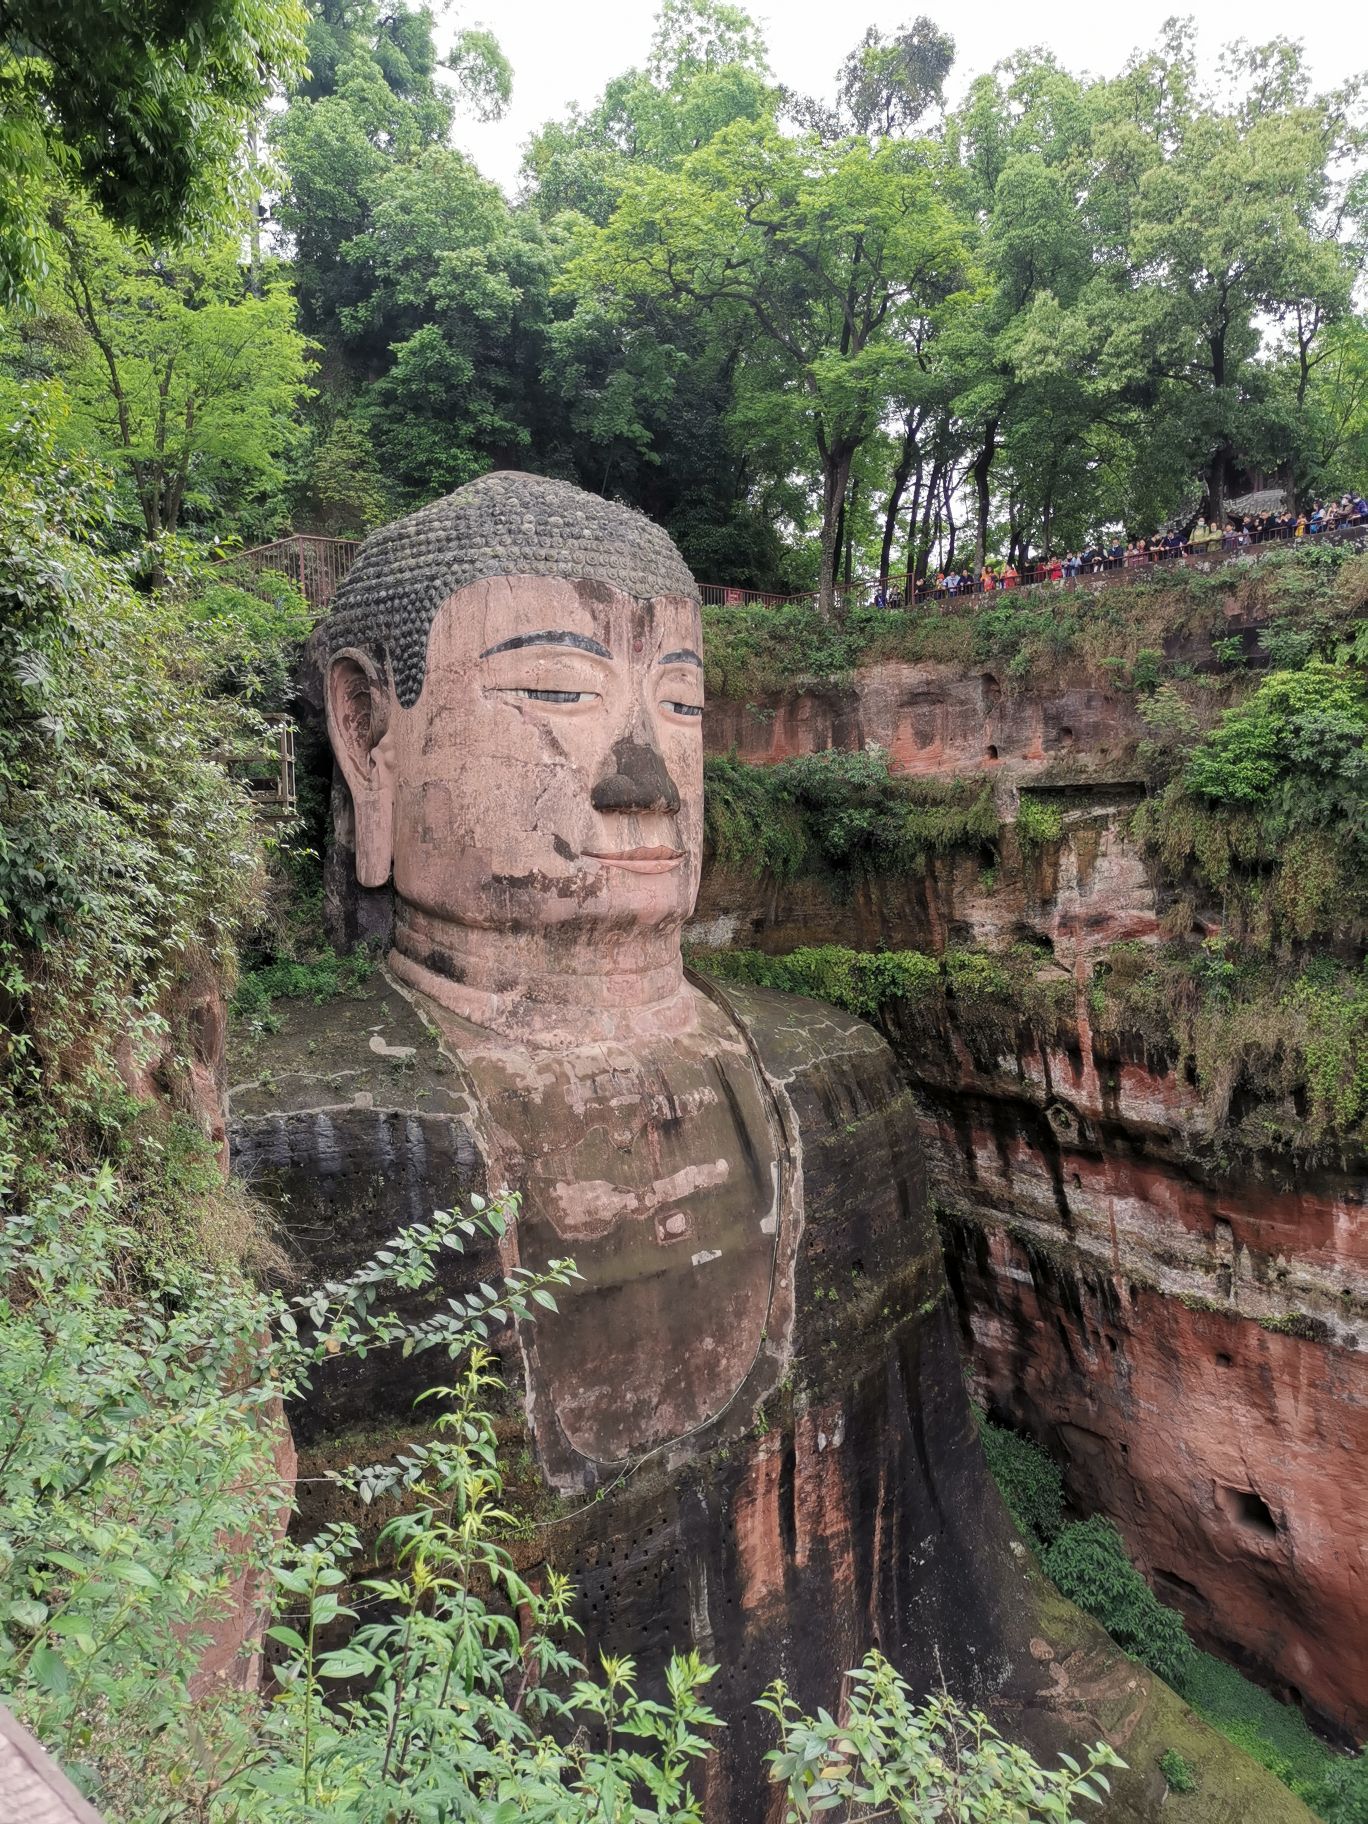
[{"x": 637, "y": 781}]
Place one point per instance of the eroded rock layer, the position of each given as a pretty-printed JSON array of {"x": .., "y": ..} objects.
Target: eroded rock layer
[{"x": 1178, "y": 1310}]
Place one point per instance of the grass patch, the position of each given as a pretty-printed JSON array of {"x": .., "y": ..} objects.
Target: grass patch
[{"x": 327, "y": 977}]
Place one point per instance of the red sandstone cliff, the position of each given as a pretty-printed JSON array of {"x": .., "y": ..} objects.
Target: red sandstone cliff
[{"x": 1183, "y": 1321}]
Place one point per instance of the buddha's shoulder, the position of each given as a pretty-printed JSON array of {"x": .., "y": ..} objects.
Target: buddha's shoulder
[{"x": 795, "y": 1038}]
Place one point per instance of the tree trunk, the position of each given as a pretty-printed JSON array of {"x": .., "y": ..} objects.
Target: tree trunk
[
  {"x": 253, "y": 213},
  {"x": 852, "y": 495},
  {"x": 913, "y": 553},
  {"x": 950, "y": 523},
  {"x": 932, "y": 495},
  {"x": 895, "y": 497},
  {"x": 835, "y": 475},
  {"x": 983, "y": 463}
]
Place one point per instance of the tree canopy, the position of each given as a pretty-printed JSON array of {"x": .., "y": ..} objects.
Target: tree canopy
[
  {"x": 143, "y": 107},
  {"x": 815, "y": 335}
]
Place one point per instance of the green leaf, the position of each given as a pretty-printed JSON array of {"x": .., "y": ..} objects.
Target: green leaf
[{"x": 50, "y": 1670}]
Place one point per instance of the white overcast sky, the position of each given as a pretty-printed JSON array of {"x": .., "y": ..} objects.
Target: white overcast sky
[{"x": 564, "y": 52}]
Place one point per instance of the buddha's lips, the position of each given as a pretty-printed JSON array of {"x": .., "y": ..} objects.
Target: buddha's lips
[{"x": 656, "y": 860}]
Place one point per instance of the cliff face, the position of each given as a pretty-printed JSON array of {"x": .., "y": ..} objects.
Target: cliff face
[{"x": 1181, "y": 1319}]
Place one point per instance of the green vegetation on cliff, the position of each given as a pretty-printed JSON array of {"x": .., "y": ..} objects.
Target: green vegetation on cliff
[
  {"x": 1291, "y": 1039},
  {"x": 1310, "y": 598},
  {"x": 839, "y": 815},
  {"x": 127, "y": 856},
  {"x": 1088, "y": 1562},
  {"x": 1290, "y": 1045},
  {"x": 989, "y": 993},
  {"x": 1267, "y": 812}
]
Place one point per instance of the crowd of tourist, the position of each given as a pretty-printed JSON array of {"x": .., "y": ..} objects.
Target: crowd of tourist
[{"x": 1206, "y": 540}]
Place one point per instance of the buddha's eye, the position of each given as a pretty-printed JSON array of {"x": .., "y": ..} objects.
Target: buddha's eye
[
  {"x": 685, "y": 709},
  {"x": 554, "y": 696}
]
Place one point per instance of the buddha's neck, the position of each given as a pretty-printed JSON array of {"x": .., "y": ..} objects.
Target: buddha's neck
[{"x": 546, "y": 989}]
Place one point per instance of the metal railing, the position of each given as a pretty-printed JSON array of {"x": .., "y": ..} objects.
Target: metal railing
[
  {"x": 1099, "y": 569},
  {"x": 316, "y": 565}
]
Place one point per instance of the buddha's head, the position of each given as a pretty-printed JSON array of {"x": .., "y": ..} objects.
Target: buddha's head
[{"x": 514, "y": 696}]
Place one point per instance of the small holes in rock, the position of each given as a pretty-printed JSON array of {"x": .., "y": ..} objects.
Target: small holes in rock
[
  {"x": 990, "y": 752},
  {"x": 1223, "y": 1360},
  {"x": 1249, "y": 1511}
]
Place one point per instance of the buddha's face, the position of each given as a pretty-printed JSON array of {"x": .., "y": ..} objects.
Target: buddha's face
[{"x": 550, "y": 774}]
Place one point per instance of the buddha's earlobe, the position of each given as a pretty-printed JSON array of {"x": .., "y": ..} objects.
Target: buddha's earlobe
[{"x": 359, "y": 709}]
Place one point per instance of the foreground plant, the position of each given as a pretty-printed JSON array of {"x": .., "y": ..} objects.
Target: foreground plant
[
  {"x": 892, "y": 1757},
  {"x": 138, "y": 1422},
  {"x": 462, "y": 1674}
]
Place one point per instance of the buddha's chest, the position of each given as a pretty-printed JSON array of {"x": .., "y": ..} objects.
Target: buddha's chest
[{"x": 660, "y": 1174}]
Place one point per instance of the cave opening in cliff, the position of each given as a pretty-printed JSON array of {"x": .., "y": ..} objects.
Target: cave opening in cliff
[{"x": 1250, "y": 1511}]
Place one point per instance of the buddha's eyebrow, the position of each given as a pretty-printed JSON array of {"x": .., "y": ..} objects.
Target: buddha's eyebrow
[
  {"x": 580, "y": 641},
  {"x": 683, "y": 657}
]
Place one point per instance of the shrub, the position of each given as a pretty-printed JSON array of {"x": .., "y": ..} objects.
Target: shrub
[
  {"x": 890, "y": 1757},
  {"x": 1027, "y": 1479},
  {"x": 1088, "y": 1564},
  {"x": 859, "y": 982},
  {"x": 1038, "y": 821},
  {"x": 838, "y": 814},
  {"x": 138, "y": 1481},
  {"x": 1301, "y": 734},
  {"x": 1269, "y": 810},
  {"x": 127, "y": 856},
  {"x": 1179, "y": 1775},
  {"x": 251, "y": 633}
]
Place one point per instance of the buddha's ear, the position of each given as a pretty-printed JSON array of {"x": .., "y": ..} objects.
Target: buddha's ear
[{"x": 360, "y": 703}]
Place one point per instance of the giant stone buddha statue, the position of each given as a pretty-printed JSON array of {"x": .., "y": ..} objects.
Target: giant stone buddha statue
[
  {"x": 514, "y": 694},
  {"x": 757, "y": 1372}
]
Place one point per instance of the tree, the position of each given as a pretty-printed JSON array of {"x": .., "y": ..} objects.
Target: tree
[
  {"x": 825, "y": 251},
  {"x": 886, "y": 85},
  {"x": 179, "y": 375},
  {"x": 142, "y": 107},
  {"x": 1238, "y": 217},
  {"x": 454, "y": 285}
]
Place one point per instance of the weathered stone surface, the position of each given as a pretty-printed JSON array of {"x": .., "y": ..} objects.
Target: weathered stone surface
[
  {"x": 841, "y": 1500},
  {"x": 1229, "y": 1455},
  {"x": 1094, "y": 891},
  {"x": 350, "y": 1124},
  {"x": 933, "y": 719}
]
